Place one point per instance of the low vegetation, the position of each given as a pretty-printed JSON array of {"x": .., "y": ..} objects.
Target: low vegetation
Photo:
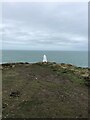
[{"x": 44, "y": 90}]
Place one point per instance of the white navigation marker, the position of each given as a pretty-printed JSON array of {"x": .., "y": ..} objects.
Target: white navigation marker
[{"x": 44, "y": 58}]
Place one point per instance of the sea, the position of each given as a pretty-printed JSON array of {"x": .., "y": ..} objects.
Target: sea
[{"x": 77, "y": 58}]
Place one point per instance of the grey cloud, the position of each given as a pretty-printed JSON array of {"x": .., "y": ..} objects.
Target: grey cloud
[{"x": 45, "y": 24}]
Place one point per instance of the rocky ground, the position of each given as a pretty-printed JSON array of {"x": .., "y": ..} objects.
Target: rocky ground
[{"x": 44, "y": 90}]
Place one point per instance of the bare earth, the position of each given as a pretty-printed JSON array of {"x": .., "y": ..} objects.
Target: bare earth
[{"x": 44, "y": 90}]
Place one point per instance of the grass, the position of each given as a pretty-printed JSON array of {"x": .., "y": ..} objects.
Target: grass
[{"x": 46, "y": 91}]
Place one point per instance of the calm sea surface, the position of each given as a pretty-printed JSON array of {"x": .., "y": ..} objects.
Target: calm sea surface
[{"x": 73, "y": 57}]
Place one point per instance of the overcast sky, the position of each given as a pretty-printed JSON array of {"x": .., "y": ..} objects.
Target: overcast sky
[{"x": 45, "y": 26}]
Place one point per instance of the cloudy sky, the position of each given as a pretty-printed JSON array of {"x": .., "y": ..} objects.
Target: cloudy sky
[{"x": 44, "y": 26}]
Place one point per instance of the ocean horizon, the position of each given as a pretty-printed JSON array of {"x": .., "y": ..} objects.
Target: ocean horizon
[{"x": 77, "y": 58}]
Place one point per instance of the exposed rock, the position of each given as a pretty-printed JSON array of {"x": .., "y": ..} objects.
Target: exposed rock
[
  {"x": 15, "y": 94},
  {"x": 1, "y": 67},
  {"x": 4, "y": 105},
  {"x": 13, "y": 66}
]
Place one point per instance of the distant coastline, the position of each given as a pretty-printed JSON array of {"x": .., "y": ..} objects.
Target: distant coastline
[{"x": 14, "y": 63}]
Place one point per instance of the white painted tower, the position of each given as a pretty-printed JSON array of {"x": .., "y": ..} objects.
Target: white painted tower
[{"x": 44, "y": 58}]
